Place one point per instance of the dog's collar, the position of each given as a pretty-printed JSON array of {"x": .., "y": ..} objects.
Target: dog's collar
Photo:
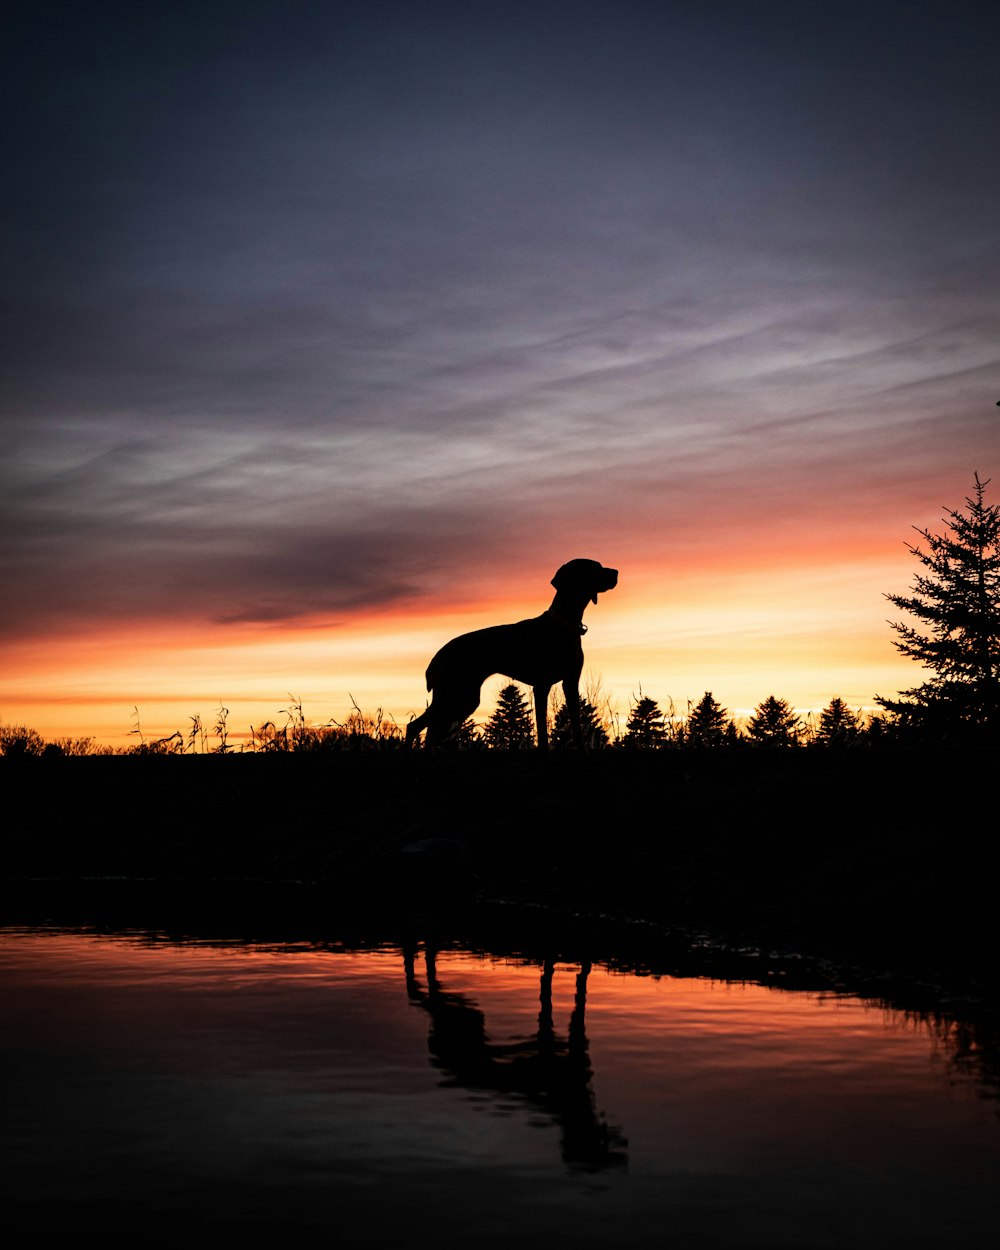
[{"x": 577, "y": 626}]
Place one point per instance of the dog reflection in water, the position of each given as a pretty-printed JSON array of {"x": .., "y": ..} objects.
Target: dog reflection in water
[{"x": 547, "y": 1071}]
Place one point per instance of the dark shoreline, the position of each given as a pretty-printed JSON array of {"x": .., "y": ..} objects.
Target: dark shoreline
[{"x": 858, "y": 868}]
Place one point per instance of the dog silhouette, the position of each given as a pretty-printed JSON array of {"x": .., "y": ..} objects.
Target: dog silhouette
[{"x": 539, "y": 652}]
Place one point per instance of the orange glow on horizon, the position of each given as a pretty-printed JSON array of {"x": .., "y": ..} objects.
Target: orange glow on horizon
[{"x": 802, "y": 631}]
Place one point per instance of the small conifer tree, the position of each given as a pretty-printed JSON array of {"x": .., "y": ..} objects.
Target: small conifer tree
[
  {"x": 838, "y": 726},
  {"x": 509, "y": 728},
  {"x": 645, "y": 726},
  {"x": 593, "y": 731},
  {"x": 709, "y": 724},
  {"x": 774, "y": 724}
]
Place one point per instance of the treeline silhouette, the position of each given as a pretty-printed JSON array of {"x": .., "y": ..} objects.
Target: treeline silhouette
[{"x": 773, "y": 724}]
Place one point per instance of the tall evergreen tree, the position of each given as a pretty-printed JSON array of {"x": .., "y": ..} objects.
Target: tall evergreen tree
[
  {"x": 774, "y": 723},
  {"x": 509, "y": 728},
  {"x": 957, "y": 604},
  {"x": 709, "y": 724},
  {"x": 645, "y": 725}
]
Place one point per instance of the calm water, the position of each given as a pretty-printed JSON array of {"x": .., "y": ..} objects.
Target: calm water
[{"x": 164, "y": 1091}]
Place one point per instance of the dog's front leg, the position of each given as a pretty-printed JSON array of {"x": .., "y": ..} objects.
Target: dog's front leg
[
  {"x": 571, "y": 690},
  {"x": 542, "y": 715}
]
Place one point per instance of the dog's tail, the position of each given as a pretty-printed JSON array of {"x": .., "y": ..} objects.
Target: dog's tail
[{"x": 434, "y": 668}]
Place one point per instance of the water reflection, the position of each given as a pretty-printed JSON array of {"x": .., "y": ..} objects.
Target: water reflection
[
  {"x": 549, "y": 1071},
  {"x": 174, "y": 1089}
]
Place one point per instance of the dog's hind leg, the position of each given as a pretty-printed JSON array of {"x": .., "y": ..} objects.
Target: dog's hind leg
[{"x": 446, "y": 712}]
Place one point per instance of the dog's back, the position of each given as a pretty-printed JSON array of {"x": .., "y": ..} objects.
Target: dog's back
[{"x": 530, "y": 651}]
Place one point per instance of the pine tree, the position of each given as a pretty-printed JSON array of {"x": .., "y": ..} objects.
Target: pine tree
[
  {"x": 957, "y": 601},
  {"x": 709, "y": 724},
  {"x": 594, "y": 733},
  {"x": 775, "y": 724},
  {"x": 645, "y": 727},
  {"x": 509, "y": 728},
  {"x": 838, "y": 726}
]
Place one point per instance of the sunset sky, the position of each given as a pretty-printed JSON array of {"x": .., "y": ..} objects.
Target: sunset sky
[{"x": 332, "y": 329}]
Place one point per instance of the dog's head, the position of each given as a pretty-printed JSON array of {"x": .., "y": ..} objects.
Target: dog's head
[{"x": 587, "y": 577}]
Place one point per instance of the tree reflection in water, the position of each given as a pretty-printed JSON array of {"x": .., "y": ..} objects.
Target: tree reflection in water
[{"x": 546, "y": 1071}]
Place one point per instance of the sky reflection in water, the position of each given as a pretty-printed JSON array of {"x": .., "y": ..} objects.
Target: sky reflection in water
[{"x": 163, "y": 1090}]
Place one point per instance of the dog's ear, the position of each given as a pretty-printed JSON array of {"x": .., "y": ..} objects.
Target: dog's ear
[{"x": 571, "y": 573}]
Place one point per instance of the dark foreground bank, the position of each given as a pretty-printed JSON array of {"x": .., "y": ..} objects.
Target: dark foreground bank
[{"x": 873, "y": 861}]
